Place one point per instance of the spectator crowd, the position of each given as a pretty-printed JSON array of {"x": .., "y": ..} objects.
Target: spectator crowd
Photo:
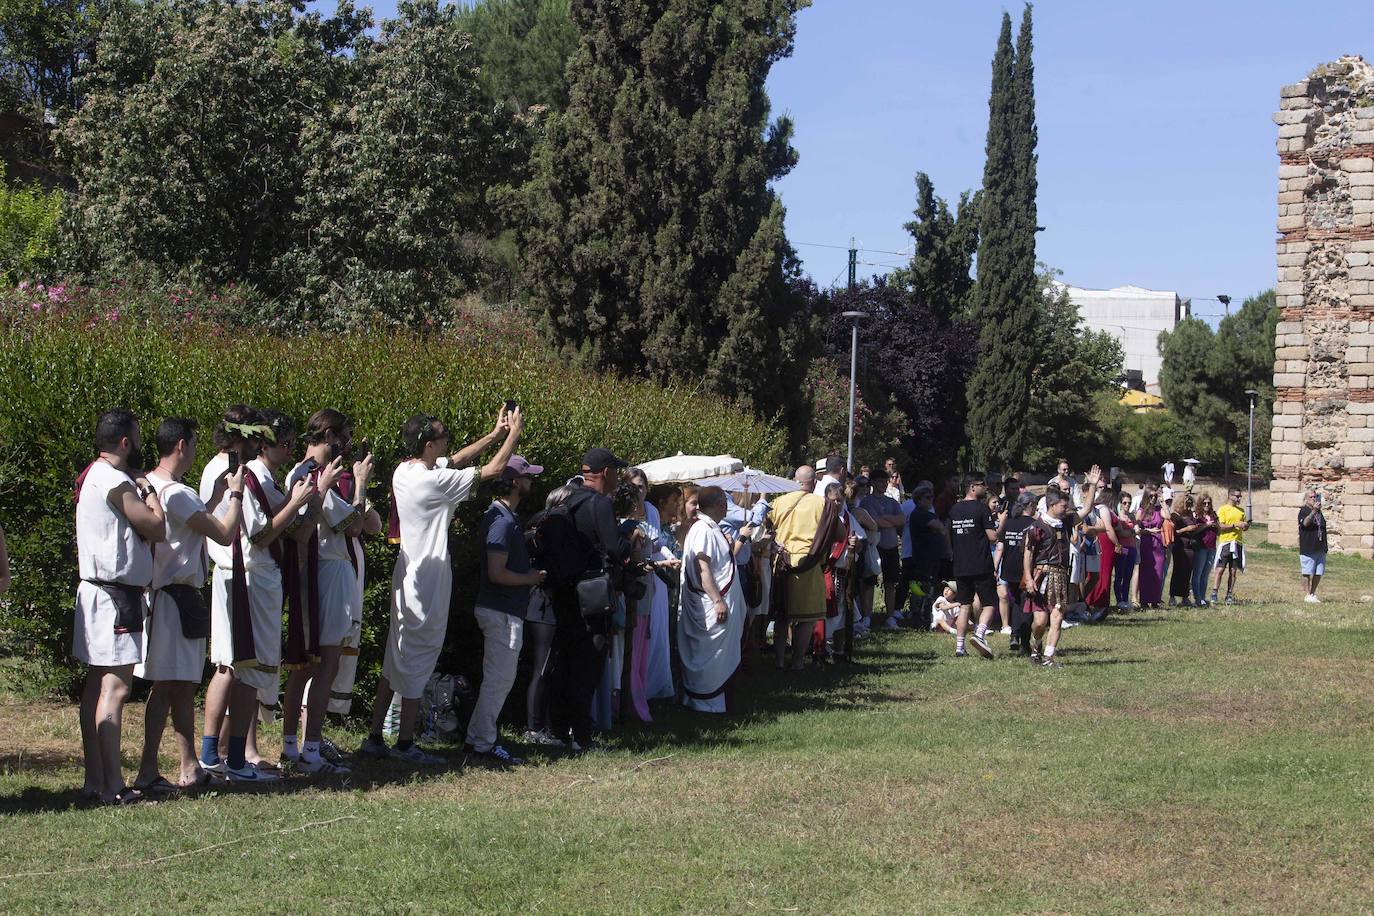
[{"x": 616, "y": 593}]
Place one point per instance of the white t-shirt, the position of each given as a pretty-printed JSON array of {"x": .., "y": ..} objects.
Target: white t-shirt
[
  {"x": 338, "y": 514},
  {"x": 108, "y": 548},
  {"x": 425, "y": 500},
  {"x": 181, "y": 558},
  {"x": 943, "y": 608}
]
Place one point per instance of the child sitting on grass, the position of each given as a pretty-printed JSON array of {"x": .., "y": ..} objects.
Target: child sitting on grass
[{"x": 945, "y": 611}]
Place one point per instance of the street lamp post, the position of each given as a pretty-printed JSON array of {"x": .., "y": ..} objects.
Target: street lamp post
[
  {"x": 855, "y": 318},
  {"x": 1250, "y": 463}
]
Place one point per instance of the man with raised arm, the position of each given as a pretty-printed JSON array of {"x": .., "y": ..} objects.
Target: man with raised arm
[{"x": 424, "y": 497}]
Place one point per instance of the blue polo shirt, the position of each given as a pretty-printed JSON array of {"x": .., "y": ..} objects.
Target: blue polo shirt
[{"x": 502, "y": 533}]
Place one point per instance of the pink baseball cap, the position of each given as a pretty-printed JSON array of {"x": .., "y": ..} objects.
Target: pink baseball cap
[{"x": 519, "y": 467}]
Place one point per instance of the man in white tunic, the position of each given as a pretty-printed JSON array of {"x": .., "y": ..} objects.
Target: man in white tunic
[
  {"x": 118, "y": 518},
  {"x": 334, "y": 520},
  {"x": 249, "y": 568},
  {"x": 424, "y": 497},
  {"x": 177, "y": 621},
  {"x": 712, "y": 618}
]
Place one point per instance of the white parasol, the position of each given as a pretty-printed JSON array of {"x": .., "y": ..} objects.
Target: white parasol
[
  {"x": 1191, "y": 461},
  {"x": 750, "y": 480},
  {"x": 682, "y": 468}
]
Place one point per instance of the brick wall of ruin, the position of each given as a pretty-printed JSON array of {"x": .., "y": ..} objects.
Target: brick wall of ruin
[{"x": 1324, "y": 362}]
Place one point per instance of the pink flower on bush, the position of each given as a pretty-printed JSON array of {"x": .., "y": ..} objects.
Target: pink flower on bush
[
  {"x": 112, "y": 315},
  {"x": 36, "y": 306},
  {"x": 23, "y": 285}
]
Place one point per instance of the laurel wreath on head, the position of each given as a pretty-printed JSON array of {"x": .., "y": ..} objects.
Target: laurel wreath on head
[{"x": 252, "y": 432}]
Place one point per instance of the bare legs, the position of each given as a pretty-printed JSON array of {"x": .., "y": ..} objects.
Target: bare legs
[
  {"x": 102, "y": 719},
  {"x": 179, "y": 698}
]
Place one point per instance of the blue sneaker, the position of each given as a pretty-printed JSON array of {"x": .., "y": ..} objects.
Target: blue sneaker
[
  {"x": 248, "y": 773},
  {"x": 413, "y": 754}
]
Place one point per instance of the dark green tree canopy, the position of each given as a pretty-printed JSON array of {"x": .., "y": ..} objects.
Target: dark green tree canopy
[
  {"x": 342, "y": 176},
  {"x": 654, "y": 243},
  {"x": 1205, "y": 374},
  {"x": 522, "y": 48}
]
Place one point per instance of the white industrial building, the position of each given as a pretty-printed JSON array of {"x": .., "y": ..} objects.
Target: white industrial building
[{"x": 1135, "y": 316}]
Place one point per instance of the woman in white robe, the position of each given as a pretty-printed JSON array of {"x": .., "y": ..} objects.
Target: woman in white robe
[{"x": 711, "y": 620}]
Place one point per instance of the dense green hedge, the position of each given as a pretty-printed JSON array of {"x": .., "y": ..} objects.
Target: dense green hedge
[{"x": 59, "y": 369}]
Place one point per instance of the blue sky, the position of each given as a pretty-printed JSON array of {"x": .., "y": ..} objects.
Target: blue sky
[{"x": 1157, "y": 161}]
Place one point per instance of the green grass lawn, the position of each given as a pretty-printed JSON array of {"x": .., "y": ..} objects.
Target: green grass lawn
[{"x": 1181, "y": 761}]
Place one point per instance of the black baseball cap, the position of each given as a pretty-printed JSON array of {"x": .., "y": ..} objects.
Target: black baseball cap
[{"x": 598, "y": 459}]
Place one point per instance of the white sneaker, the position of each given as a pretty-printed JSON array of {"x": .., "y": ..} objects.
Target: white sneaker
[
  {"x": 248, "y": 773},
  {"x": 1006, "y": 631},
  {"x": 321, "y": 767},
  {"x": 1312, "y": 599}
]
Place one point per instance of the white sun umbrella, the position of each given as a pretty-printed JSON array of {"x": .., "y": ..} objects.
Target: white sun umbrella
[
  {"x": 682, "y": 468},
  {"x": 1191, "y": 461},
  {"x": 750, "y": 480}
]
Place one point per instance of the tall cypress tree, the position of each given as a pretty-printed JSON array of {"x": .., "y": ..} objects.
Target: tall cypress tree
[
  {"x": 653, "y": 243},
  {"x": 1006, "y": 298},
  {"x": 944, "y": 242}
]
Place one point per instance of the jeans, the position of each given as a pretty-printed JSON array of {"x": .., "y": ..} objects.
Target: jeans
[
  {"x": 1202, "y": 570},
  {"x": 1125, "y": 568},
  {"x": 502, "y": 636}
]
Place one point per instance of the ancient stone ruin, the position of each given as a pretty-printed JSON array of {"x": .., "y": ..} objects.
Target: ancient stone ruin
[{"x": 1324, "y": 402}]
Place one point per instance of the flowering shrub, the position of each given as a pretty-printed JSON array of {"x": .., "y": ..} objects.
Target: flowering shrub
[{"x": 83, "y": 350}]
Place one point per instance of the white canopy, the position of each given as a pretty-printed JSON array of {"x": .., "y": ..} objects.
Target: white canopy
[{"x": 682, "y": 468}]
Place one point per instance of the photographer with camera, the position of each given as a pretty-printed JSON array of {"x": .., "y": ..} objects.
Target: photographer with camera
[
  {"x": 424, "y": 498},
  {"x": 585, "y": 553}
]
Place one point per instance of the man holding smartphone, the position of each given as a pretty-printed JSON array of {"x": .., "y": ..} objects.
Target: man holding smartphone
[{"x": 424, "y": 498}]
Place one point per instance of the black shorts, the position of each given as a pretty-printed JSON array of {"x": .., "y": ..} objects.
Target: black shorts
[
  {"x": 890, "y": 559},
  {"x": 984, "y": 587}
]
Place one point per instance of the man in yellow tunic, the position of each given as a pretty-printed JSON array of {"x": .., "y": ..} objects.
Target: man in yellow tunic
[{"x": 797, "y": 518}]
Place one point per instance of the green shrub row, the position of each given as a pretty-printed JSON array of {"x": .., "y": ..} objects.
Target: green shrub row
[{"x": 60, "y": 367}]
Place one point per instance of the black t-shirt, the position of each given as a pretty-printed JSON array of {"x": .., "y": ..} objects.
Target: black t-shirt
[
  {"x": 594, "y": 516},
  {"x": 970, "y": 520},
  {"x": 1013, "y": 549},
  {"x": 1311, "y": 540}
]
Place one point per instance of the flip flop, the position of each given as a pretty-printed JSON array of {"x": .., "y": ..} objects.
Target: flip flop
[
  {"x": 126, "y": 796},
  {"x": 158, "y": 788}
]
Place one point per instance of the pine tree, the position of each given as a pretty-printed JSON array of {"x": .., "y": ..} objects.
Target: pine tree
[
  {"x": 653, "y": 243},
  {"x": 1005, "y": 299}
]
